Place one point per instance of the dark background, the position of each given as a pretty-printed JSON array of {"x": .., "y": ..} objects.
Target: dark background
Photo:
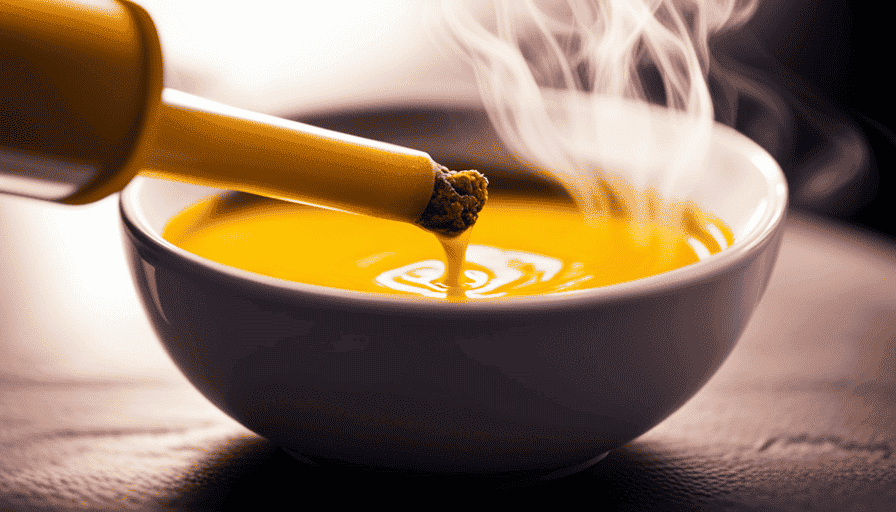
[{"x": 839, "y": 53}]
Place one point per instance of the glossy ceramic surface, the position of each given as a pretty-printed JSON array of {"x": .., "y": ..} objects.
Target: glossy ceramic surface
[{"x": 531, "y": 384}]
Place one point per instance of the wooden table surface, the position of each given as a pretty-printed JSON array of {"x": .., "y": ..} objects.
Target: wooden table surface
[{"x": 802, "y": 416}]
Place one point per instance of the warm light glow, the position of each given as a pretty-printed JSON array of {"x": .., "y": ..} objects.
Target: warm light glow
[{"x": 287, "y": 56}]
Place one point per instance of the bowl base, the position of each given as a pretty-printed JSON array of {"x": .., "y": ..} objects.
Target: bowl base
[{"x": 501, "y": 481}]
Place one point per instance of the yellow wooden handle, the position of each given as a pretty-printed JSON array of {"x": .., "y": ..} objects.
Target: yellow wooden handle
[
  {"x": 205, "y": 142},
  {"x": 83, "y": 110},
  {"x": 81, "y": 83}
]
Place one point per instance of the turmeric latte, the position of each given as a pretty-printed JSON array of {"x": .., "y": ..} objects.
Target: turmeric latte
[{"x": 519, "y": 246}]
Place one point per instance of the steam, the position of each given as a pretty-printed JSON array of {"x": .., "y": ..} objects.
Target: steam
[{"x": 608, "y": 96}]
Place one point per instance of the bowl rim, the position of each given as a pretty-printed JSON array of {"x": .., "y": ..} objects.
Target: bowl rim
[{"x": 763, "y": 225}]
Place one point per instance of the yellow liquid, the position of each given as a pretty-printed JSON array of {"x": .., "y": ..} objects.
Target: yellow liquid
[{"x": 517, "y": 247}]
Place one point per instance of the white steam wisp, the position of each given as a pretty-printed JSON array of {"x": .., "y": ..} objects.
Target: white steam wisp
[{"x": 610, "y": 97}]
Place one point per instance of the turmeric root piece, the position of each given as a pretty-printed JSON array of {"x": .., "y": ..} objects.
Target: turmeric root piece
[{"x": 457, "y": 198}]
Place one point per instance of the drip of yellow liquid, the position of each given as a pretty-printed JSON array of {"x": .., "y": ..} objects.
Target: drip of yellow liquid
[
  {"x": 455, "y": 249},
  {"x": 519, "y": 246}
]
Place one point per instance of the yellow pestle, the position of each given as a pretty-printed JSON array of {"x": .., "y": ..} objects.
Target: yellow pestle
[{"x": 204, "y": 142}]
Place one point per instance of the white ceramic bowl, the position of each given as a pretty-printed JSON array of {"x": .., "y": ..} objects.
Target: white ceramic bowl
[{"x": 544, "y": 384}]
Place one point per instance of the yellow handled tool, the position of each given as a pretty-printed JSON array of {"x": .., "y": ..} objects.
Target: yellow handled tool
[{"x": 83, "y": 110}]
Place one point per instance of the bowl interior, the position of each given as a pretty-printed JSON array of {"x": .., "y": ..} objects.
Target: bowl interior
[{"x": 744, "y": 186}]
